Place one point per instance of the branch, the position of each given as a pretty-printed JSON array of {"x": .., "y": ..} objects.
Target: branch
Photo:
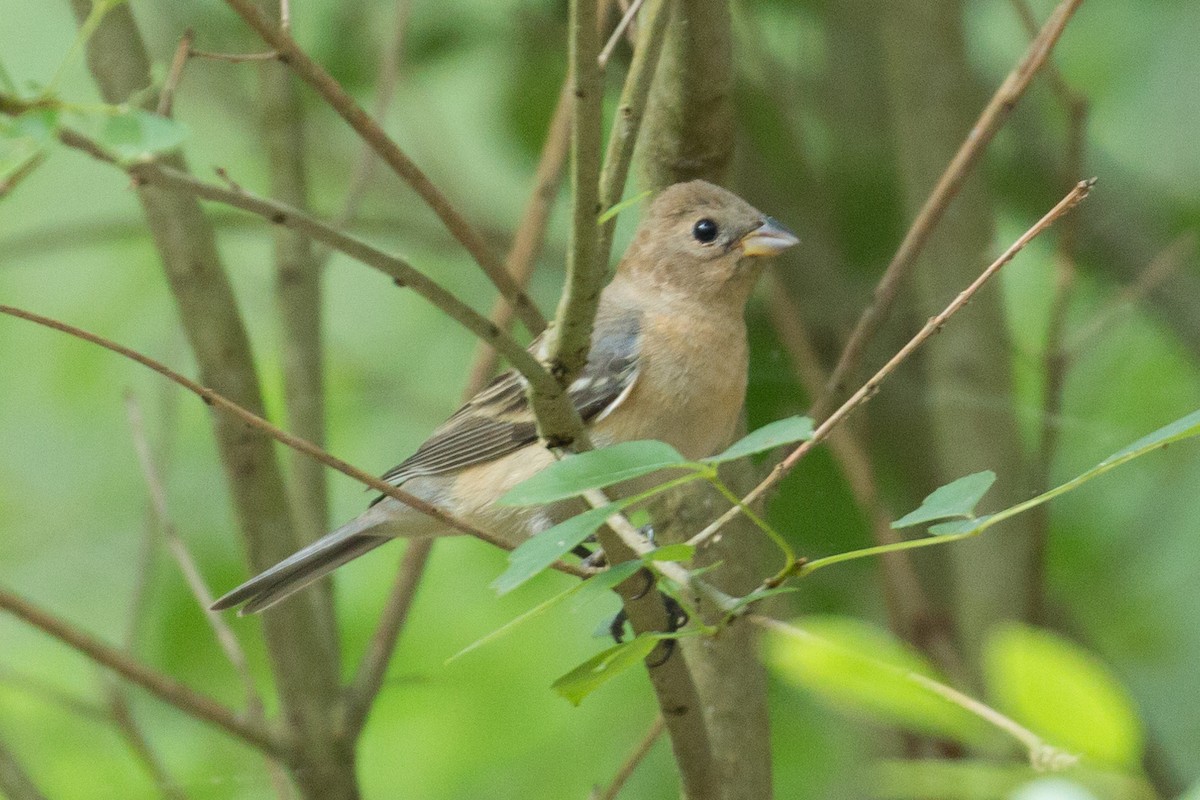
[
  {"x": 868, "y": 389},
  {"x": 631, "y": 763},
  {"x": 161, "y": 686},
  {"x": 368, "y": 678},
  {"x": 369, "y": 130},
  {"x": 994, "y": 114},
  {"x": 187, "y": 565},
  {"x": 571, "y": 337},
  {"x": 258, "y": 423}
]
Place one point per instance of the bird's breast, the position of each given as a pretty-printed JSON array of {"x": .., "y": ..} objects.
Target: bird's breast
[{"x": 690, "y": 386}]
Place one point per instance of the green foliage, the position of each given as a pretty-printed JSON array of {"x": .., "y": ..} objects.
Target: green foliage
[
  {"x": 25, "y": 138},
  {"x": 1064, "y": 693},
  {"x": 133, "y": 135},
  {"x": 955, "y": 499},
  {"x": 593, "y": 587},
  {"x": 538, "y": 552},
  {"x": 860, "y": 667},
  {"x": 594, "y": 469},
  {"x": 768, "y": 437},
  {"x": 604, "y": 666}
]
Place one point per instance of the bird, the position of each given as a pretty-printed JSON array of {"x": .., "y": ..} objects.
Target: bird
[{"x": 668, "y": 361}]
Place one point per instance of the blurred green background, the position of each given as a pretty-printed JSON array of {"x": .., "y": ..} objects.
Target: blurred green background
[{"x": 816, "y": 149}]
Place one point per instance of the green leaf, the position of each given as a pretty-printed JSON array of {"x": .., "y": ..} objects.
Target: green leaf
[
  {"x": 603, "y": 667},
  {"x": 859, "y": 667},
  {"x": 594, "y": 469},
  {"x": 24, "y": 138},
  {"x": 671, "y": 552},
  {"x": 955, "y": 499},
  {"x": 595, "y": 584},
  {"x": 1063, "y": 693},
  {"x": 539, "y": 552},
  {"x": 768, "y": 437},
  {"x": 1183, "y": 428},
  {"x": 621, "y": 206},
  {"x": 138, "y": 135}
]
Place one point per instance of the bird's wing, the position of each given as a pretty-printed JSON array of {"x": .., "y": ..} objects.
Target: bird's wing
[{"x": 498, "y": 420}]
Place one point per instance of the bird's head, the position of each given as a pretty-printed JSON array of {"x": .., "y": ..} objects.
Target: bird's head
[{"x": 699, "y": 238}]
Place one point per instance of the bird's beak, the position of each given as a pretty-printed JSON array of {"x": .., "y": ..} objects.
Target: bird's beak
[{"x": 768, "y": 239}]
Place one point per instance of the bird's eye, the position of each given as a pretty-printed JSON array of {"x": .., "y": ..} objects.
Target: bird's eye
[{"x": 705, "y": 230}]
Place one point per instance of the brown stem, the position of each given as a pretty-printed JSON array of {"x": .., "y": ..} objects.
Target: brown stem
[
  {"x": 368, "y": 129},
  {"x": 640, "y": 751},
  {"x": 994, "y": 114},
  {"x": 402, "y": 272},
  {"x": 570, "y": 339}
]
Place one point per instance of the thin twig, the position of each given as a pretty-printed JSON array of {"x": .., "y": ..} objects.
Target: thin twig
[
  {"x": 166, "y": 96},
  {"x": 1166, "y": 263},
  {"x": 622, "y": 25},
  {"x": 640, "y": 751},
  {"x": 236, "y": 58},
  {"x": 868, "y": 389},
  {"x": 158, "y": 684},
  {"x": 369, "y": 130},
  {"x": 187, "y": 565},
  {"x": 531, "y": 232},
  {"x": 255, "y": 421},
  {"x": 368, "y": 678},
  {"x": 527, "y": 242},
  {"x": 122, "y": 716},
  {"x": 22, "y": 172},
  {"x": 1041, "y": 755},
  {"x": 990, "y": 120}
]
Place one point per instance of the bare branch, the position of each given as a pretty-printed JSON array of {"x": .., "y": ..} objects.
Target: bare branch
[
  {"x": 990, "y": 120},
  {"x": 166, "y": 97},
  {"x": 636, "y": 757},
  {"x": 368, "y": 129},
  {"x": 868, "y": 390},
  {"x": 531, "y": 232},
  {"x": 368, "y": 679},
  {"x": 570, "y": 339},
  {"x": 187, "y": 565},
  {"x": 158, "y": 684}
]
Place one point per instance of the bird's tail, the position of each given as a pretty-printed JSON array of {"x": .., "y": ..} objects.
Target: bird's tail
[{"x": 305, "y": 566}]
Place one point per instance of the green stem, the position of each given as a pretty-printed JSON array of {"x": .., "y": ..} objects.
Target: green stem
[{"x": 775, "y": 535}]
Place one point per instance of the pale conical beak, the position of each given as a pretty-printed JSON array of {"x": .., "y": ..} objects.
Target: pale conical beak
[{"x": 768, "y": 239}]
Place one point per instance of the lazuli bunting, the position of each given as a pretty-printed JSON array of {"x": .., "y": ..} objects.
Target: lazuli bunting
[{"x": 668, "y": 361}]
